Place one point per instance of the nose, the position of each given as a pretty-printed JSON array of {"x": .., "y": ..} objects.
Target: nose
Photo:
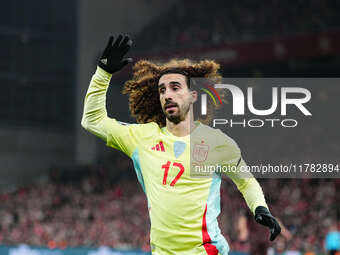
[{"x": 168, "y": 95}]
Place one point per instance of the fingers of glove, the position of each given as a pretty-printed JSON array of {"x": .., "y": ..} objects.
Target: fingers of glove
[
  {"x": 109, "y": 43},
  {"x": 275, "y": 232},
  {"x": 125, "y": 62},
  {"x": 117, "y": 42},
  {"x": 124, "y": 42},
  {"x": 126, "y": 48},
  {"x": 107, "y": 49}
]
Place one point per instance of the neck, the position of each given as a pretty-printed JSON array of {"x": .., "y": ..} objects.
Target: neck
[{"x": 183, "y": 128}]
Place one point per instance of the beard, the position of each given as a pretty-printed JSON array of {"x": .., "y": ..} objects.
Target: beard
[{"x": 179, "y": 115}]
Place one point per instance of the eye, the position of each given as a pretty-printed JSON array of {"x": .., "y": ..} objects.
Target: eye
[{"x": 161, "y": 91}]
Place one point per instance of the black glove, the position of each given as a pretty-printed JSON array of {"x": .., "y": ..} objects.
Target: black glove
[
  {"x": 263, "y": 216},
  {"x": 112, "y": 59}
]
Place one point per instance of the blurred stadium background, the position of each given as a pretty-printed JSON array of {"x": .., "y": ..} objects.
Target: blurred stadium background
[{"x": 63, "y": 192}]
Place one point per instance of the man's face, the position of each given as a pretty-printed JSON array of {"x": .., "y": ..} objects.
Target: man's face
[{"x": 175, "y": 97}]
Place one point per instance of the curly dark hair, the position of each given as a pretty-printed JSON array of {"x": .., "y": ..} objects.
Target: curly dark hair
[{"x": 142, "y": 89}]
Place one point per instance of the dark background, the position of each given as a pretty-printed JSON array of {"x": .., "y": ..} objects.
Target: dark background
[{"x": 54, "y": 176}]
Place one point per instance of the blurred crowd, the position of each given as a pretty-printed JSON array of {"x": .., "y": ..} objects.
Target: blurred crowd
[
  {"x": 199, "y": 23},
  {"x": 86, "y": 212},
  {"x": 93, "y": 210},
  {"x": 306, "y": 208}
]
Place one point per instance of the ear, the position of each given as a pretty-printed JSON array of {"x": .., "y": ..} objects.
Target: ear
[{"x": 194, "y": 96}]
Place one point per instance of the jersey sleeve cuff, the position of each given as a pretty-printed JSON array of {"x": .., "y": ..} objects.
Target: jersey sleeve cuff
[{"x": 102, "y": 74}]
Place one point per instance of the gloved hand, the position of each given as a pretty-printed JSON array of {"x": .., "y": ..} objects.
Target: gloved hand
[
  {"x": 264, "y": 217},
  {"x": 112, "y": 59}
]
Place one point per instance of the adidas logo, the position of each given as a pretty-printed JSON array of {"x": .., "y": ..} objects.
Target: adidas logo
[{"x": 158, "y": 147}]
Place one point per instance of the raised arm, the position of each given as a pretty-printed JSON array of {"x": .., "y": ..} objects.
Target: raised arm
[{"x": 95, "y": 119}]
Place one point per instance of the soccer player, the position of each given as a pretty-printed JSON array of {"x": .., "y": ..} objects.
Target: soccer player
[{"x": 183, "y": 210}]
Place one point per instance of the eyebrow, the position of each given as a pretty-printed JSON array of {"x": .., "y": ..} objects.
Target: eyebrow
[{"x": 171, "y": 82}]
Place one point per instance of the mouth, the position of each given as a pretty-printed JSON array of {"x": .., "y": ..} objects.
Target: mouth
[{"x": 170, "y": 107}]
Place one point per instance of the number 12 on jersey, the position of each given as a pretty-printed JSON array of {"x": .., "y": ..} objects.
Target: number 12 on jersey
[{"x": 166, "y": 170}]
